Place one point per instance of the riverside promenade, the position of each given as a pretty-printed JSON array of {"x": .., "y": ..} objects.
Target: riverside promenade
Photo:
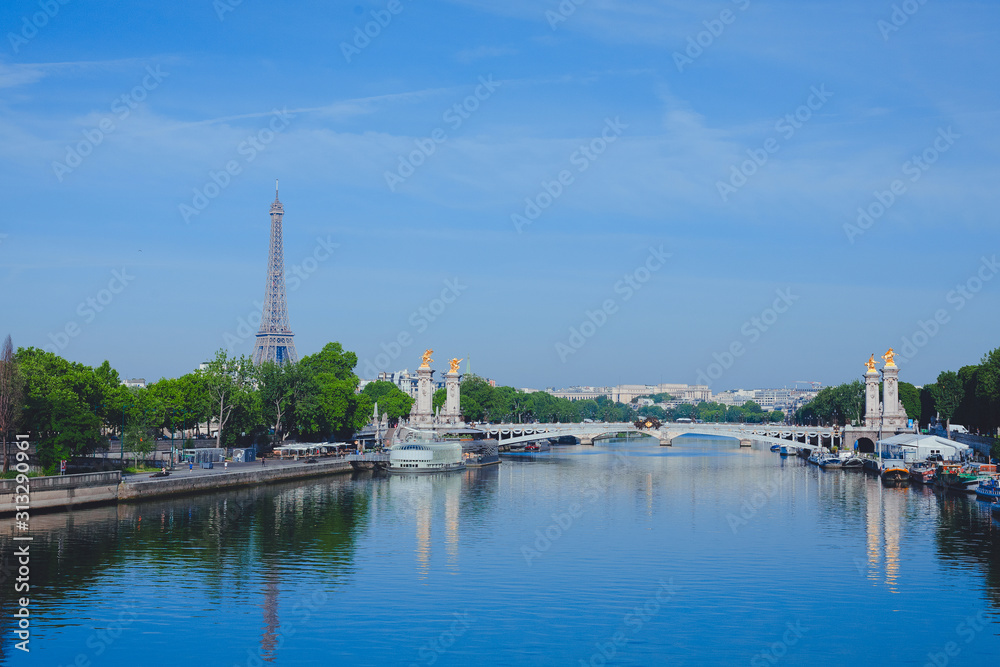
[{"x": 71, "y": 491}]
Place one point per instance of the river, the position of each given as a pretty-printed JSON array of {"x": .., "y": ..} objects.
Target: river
[{"x": 622, "y": 553}]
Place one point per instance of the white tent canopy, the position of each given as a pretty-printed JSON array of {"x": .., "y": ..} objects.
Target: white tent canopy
[{"x": 916, "y": 447}]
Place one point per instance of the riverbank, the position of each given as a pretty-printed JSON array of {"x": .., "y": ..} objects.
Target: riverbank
[{"x": 72, "y": 491}]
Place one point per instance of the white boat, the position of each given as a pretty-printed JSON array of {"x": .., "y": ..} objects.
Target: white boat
[
  {"x": 831, "y": 463},
  {"x": 788, "y": 450},
  {"x": 422, "y": 452},
  {"x": 853, "y": 463}
]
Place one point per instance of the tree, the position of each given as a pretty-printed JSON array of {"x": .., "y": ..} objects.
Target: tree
[
  {"x": 928, "y": 408},
  {"x": 11, "y": 392},
  {"x": 437, "y": 401},
  {"x": 279, "y": 385},
  {"x": 392, "y": 401},
  {"x": 909, "y": 396},
  {"x": 947, "y": 392},
  {"x": 140, "y": 437},
  {"x": 228, "y": 382},
  {"x": 62, "y": 406},
  {"x": 988, "y": 391},
  {"x": 330, "y": 405}
]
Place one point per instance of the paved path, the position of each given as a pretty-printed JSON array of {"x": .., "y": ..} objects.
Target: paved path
[{"x": 182, "y": 471}]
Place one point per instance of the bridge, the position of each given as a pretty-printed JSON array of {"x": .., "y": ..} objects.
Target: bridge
[{"x": 589, "y": 433}]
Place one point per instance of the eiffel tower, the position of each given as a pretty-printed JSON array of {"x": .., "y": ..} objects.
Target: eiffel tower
[{"x": 274, "y": 339}]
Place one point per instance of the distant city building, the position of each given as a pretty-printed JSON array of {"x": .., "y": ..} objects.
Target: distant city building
[
  {"x": 581, "y": 393},
  {"x": 135, "y": 382},
  {"x": 735, "y": 397}
]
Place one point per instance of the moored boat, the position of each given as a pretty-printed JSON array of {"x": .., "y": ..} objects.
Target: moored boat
[
  {"x": 853, "y": 463},
  {"x": 775, "y": 448},
  {"x": 922, "y": 472},
  {"x": 787, "y": 450},
  {"x": 957, "y": 477},
  {"x": 895, "y": 472},
  {"x": 988, "y": 489},
  {"x": 831, "y": 463}
]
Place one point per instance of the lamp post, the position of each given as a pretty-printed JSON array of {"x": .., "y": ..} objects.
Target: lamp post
[{"x": 121, "y": 445}]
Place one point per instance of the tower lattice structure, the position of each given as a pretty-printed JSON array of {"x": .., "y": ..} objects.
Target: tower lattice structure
[{"x": 275, "y": 338}]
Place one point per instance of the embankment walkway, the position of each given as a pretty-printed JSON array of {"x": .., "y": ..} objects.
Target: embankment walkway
[{"x": 71, "y": 491}]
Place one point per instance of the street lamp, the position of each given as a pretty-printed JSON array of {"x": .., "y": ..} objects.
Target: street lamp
[{"x": 121, "y": 444}]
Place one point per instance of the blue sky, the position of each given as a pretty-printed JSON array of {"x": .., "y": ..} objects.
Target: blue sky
[{"x": 161, "y": 97}]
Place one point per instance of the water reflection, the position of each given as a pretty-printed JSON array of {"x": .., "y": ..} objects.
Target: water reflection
[{"x": 242, "y": 565}]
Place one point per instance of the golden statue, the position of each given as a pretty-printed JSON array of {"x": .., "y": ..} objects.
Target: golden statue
[
  {"x": 871, "y": 364},
  {"x": 454, "y": 365},
  {"x": 427, "y": 359},
  {"x": 889, "y": 357}
]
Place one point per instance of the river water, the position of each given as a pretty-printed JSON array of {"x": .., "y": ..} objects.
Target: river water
[{"x": 623, "y": 553}]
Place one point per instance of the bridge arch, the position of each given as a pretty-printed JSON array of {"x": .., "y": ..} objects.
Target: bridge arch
[{"x": 865, "y": 446}]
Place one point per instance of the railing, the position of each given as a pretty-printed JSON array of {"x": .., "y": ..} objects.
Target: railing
[{"x": 373, "y": 458}]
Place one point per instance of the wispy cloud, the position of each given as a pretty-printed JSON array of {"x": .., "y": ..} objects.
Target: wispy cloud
[
  {"x": 22, "y": 74},
  {"x": 468, "y": 56}
]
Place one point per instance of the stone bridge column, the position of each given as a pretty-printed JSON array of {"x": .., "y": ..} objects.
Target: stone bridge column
[
  {"x": 422, "y": 412},
  {"x": 452, "y": 402},
  {"x": 871, "y": 399}
]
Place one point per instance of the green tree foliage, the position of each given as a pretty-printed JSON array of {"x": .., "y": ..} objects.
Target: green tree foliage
[
  {"x": 280, "y": 387},
  {"x": 229, "y": 382},
  {"x": 64, "y": 406},
  {"x": 392, "y": 401},
  {"x": 928, "y": 407},
  {"x": 988, "y": 391},
  {"x": 437, "y": 401},
  {"x": 841, "y": 405},
  {"x": 330, "y": 406},
  {"x": 11, "y": 398},
  {"x": 947, "y": 393},
  {"x": 909, "y": 396}
]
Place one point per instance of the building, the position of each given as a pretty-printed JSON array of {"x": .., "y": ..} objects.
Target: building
[{"x": 581, "y": 393}]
